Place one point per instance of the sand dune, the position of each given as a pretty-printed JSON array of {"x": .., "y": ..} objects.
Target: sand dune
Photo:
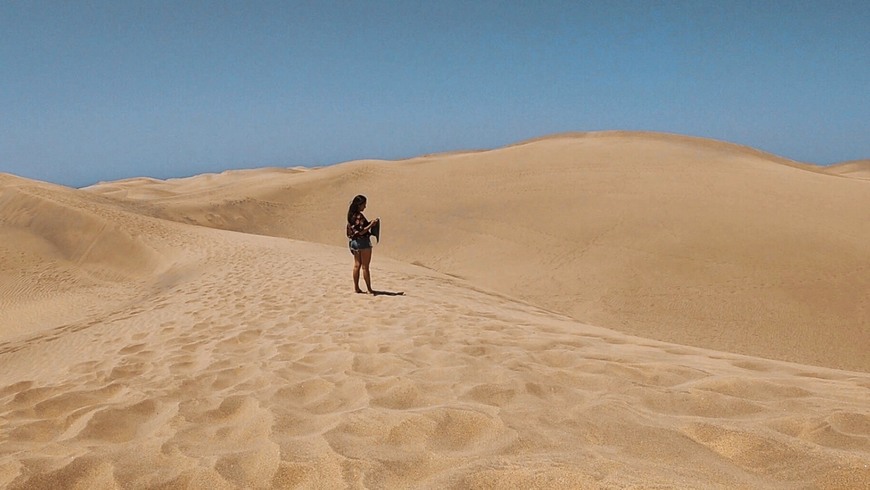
[
  {"x": 260, "y": 370},
  {"x": 681, "y": 239},
  {"x": 169, "y": 355},
  {"x": 858, "y": 169},
  {"x": 66, "y": 255}
]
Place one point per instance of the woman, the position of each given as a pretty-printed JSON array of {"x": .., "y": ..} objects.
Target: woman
[{"x": 359, "y": 234}]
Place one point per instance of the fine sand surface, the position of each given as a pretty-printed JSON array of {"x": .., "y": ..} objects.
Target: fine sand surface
[{"x": 140, "y": 351}]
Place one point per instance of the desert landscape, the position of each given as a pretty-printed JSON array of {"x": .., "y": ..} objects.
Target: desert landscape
[{"x": 584, "y": 310}]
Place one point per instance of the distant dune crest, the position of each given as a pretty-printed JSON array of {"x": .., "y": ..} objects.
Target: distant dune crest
[
  {"x": 859, "y": 169},
  {"x": 77, "y": 232}
]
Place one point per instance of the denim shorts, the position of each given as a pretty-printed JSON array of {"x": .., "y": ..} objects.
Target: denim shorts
[{"x": 360, "y": 243}]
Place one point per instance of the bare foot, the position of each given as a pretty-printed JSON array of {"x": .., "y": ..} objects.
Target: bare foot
[{"x": 358, "y": 291}]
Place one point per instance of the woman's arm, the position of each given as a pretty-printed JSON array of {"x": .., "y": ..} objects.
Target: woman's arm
[
  {"x": 371, "y": 224},
  {"x": 361, "y": 226}
]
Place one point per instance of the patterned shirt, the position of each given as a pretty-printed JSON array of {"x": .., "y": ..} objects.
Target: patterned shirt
[{"x": 356, "y": 227}]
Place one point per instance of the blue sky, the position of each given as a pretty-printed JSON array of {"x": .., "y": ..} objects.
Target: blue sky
[{"x": 93, "y": 91}]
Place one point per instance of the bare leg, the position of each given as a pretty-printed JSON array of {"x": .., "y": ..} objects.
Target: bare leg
[
  {"x": 366, "y": 259},
  {"x": 357, "y": 263}
]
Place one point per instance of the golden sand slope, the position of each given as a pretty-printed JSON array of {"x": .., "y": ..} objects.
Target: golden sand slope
[
  {"x": 680, "y": 239},
  {"x": 244, "y": 362}
]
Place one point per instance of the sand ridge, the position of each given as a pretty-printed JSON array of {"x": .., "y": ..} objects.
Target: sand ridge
[
  {"x": 66, "y": 255},
  {"x": 856, "y": 169}
]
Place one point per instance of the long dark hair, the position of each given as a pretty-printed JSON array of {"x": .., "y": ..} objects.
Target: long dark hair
[{"x": 354, "y": 206}]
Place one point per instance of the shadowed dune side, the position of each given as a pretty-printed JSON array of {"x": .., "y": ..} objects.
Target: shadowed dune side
[
  {"x": 231, "y": 200},
  {"x": 77, "y": 230},
  {"x": 65, "y": 254},
  {"x": 207, "y": 185},
  {"x": 856, "y": 169},
  {"x": 675, "y": 238}
]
